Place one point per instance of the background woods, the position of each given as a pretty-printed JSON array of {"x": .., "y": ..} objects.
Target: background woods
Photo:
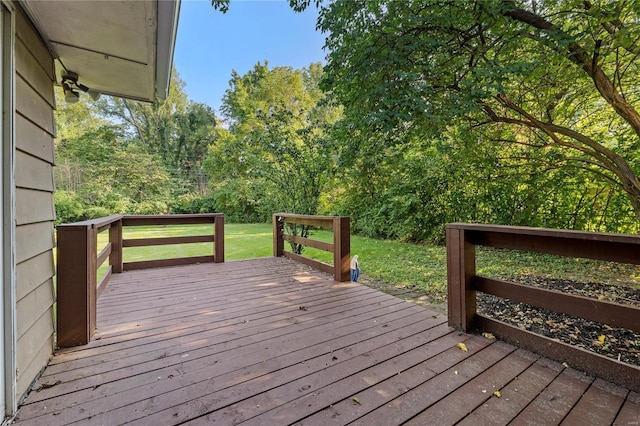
[{"x": 506, "y": 112}]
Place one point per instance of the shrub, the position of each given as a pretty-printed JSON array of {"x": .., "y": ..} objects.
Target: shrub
[{"x": 69, "y": 207}]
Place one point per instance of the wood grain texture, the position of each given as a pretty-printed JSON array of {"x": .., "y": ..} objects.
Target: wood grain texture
[{"x": 272, "y": 341}]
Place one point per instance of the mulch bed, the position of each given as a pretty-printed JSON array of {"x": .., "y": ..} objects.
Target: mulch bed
[{"x": 617, "y": 343}]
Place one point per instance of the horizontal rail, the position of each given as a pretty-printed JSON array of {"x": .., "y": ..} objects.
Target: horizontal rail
[
  {"x": 463, "y": 283},
  {"x": 94, "y": 223},
  {"x": 102, "y": 284},
  {"x": 589, "y": 245},
  {"x": 143, "y": 242},
  {"x": 613, "y": 314},
  {"x": 309, "y": 221},
  {"x": 104, "y": 255},
  {"x": 309, "y": 262},
  {"x": 176, "y": 219},
  {"x": 320, "y": 245},
  {"x": 176, "y": 261}
]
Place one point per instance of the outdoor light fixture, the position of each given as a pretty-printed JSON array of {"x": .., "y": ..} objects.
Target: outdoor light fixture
[
  {"x": 71, "y": 88},
  {"x": 70, "y": 95}
]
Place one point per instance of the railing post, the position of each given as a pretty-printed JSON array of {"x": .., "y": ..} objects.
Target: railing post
[
  {"x": 218, "y": 242},
  {"x": 115, "y": 238},
  {"x": 341, "y": 249},
  {"x": 76, "y": 284},
  {"x": 278, "y": 231},
  {"x": 461, "y": 267}
]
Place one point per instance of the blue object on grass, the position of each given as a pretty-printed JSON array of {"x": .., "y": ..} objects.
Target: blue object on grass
[{"x": 355, "y": 269}]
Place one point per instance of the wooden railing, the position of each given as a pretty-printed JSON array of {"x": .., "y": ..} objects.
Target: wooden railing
[
  {"x": 340, "y": 247},
  {"x": 463, "y": 283},
  {"x": 78, "y": 262}
]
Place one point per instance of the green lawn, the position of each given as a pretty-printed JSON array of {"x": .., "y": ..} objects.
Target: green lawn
[{"x": 420, "y": 267}]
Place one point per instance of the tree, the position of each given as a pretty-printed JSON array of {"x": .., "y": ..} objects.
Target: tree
[
  {"x": 114, "y": 176},
  {"x": 177, "y": 130},
  {"x": 277, "y": 152},
  {"x": 555, "y": 77}
]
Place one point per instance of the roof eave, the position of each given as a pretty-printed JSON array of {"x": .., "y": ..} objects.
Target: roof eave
[{"x": 168, "y": 15}]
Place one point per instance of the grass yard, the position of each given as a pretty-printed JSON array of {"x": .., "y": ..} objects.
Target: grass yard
[{"x": 419, "y": 267}]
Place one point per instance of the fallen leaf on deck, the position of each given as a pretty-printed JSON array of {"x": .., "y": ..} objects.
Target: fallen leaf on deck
[
  {"x": 601, "y": 339},
  {"x": 489, "y": 336},
  {"x": 48, "y": 385},
  {"x": 463, "y": 347},
  {"x": 303, "y": 308},
  {"x": 498, "y": 394},
  {"x": 356, "y": 400}
]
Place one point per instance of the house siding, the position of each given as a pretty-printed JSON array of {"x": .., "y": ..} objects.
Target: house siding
[{"x": 35, "y": 212}]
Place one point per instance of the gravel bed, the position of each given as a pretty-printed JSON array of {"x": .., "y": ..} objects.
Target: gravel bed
[{"x": 617, "y": 343}]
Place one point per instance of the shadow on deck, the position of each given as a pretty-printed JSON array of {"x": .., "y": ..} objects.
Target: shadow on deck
[{"x": 273, "y": 342}]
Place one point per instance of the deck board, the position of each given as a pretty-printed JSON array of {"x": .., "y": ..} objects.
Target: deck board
[{"x": 273, "y": 342}]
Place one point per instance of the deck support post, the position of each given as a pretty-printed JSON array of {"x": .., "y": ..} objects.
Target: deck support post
[
  {"x": 461, "y": 267},
  {"x": 76, "y": 284},
  {"x": 218, "y": 242},
  {"x": 341, "y": 249},
  {"x": 115, "y": 238},
  {"x": 278, "y": 231}
]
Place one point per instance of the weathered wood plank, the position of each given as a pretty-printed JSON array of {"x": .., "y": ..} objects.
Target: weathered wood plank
[
  {"x": 381, "y": 394},
  {"x": 515, "y": 396},
  {"x": 598, "y": 406},
  {"x": 231, "y": 369},
  {"x": 556, "y": 400},
  {"x": 230, "y": 342},
  {"x": 409, "y": 404},
  {"x": 630, "y": 411},
  {"x": 477, "y": 392}
]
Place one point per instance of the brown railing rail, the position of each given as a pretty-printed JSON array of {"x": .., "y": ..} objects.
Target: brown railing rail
[
  {"x": 340, "y": 247},
  {"x": 78, "y": 261},
  {"x": 463, "y": 283}
]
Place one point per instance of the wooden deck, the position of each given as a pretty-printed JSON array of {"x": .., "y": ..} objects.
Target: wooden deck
[{"x": 272, "y": 342}]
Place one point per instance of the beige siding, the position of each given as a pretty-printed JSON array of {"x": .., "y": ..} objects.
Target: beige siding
[
  {"x": 33, "y": 206},
  {"x": 33, "y": 140},
  {"x": 30, "y": 346},
  {"x": 33, "y": 173},
  {"x": 28, "y": 372},
  {"x": 35, "y": 212},
  {"x": 33, "y": 306},
  {"x": 33, "y": 272}
]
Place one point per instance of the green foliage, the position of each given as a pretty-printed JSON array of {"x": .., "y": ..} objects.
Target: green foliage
[
  {"x": 277, "y": 155},
  {"x": 176, "y": 130},
  {"x": 548, "y": 86},
  {"x": 193, "y": 203},
  {"x": 69, "y": 207}
]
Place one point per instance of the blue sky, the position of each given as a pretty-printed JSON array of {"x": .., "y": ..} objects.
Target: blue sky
[{"x": 210, "y": 44}]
